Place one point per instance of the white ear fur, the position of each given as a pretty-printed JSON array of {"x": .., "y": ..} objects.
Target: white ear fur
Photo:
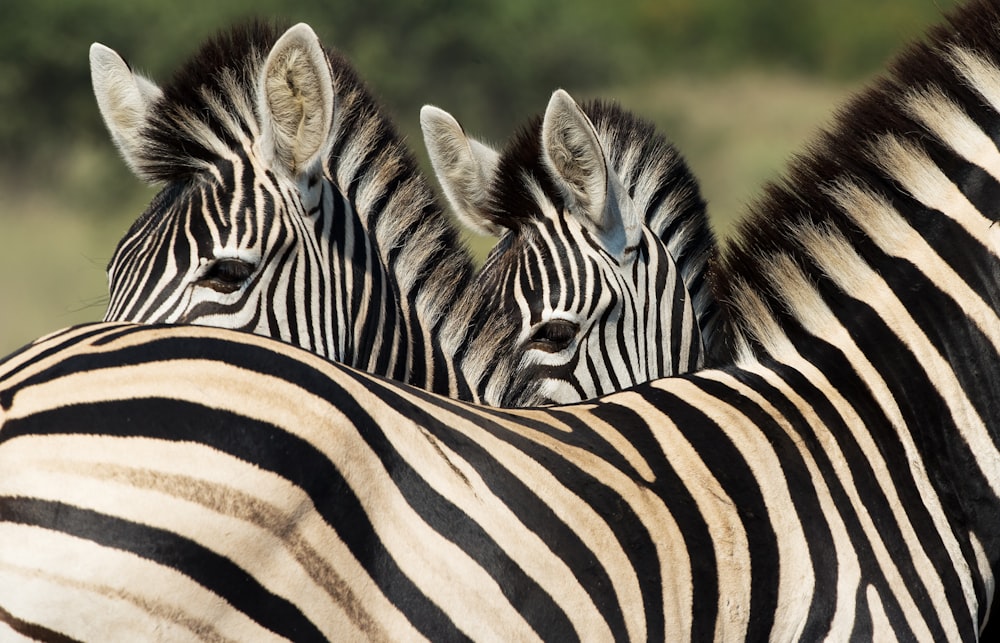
[
  {"x": 295, "y": 99},
  {"x": 123, "y": 99},
  {"x": 463, "y": 166},
  {"x": 577, "y": 162}
]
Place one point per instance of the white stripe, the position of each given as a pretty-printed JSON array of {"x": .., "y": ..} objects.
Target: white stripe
[
  {"x": 461, "y": 482},
  {"x": 848, "y": 566},
  {"x": 795, "y": 578}
]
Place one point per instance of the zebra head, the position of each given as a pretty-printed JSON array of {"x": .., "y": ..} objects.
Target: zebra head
[
  {"x": 585, "y": 201},
  {"x": 286, "y": 196},
  {"x": 238, "y": 156}
]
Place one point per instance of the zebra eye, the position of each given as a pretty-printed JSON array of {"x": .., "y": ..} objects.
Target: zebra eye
[
  {"x": 554, "y": 335},
  {"x": 226, "y": 275}
]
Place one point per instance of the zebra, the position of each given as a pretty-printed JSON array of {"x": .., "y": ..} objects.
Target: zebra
[
  {"x": 295, "y": 239},
  {"x": 290, "y": 206},
  {"x": 582, "y": 198},
  {"x": 839, "y": 478}
]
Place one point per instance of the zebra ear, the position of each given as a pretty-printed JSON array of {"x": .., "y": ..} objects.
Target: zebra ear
[
  {"x": 576, "y": 160},
  {"x": 295, "y": 100},
  {"x": 464, "y": 168},
  {"x": 124, "y": 99}
]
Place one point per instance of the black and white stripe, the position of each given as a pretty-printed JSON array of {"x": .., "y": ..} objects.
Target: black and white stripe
[
  {"x": 840, "y": 479},
  {"x": 592, "y": 206},
  {"x": 333, "y": 241}
]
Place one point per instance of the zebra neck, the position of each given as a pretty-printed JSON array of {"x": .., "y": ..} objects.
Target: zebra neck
[
  {"x": 901, "y": 320},
  {"x": 879, "y": 252},
  {"x": 418, "y": 265}
]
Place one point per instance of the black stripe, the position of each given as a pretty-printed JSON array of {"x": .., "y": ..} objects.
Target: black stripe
[
  {"x": 734, "y": 475},
  {"x": 32, "y": 630},
  {"x": 525, "y": 595},
  {"x": 66, "y": 339},
  {"x": 894, "y": 362},
  {"x": 214, "y": 572},
  {"x": 624, "y": 325},
  {"x": 804, "y": 493},
  {"x": 548, "y": 619},
  {"x": 949, "y": 461},
  {"x": 268, "y": 448},
  {"x": 604, "y": 322}
]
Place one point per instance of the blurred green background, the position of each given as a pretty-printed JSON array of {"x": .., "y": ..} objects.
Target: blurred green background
[{"x": 736, "y": 85}]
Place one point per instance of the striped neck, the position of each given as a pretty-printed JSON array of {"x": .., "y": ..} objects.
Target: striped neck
[
  {"x": 878, "y": 259},
  {"x": 402, "y": 241}
]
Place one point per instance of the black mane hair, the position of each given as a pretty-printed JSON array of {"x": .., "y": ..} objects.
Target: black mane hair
[
  {"x": 620, "y": 131},
  {"x": 222, "y": 77},
  {"x": 230, "y": 59}
]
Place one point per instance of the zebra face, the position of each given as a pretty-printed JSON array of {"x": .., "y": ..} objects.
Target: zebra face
[
  {"x": 583, "y": 314},
  {"x": 218, "y": 251},
  {"x": 234, "y": 239},
  {"x": 294, "y": 208}
]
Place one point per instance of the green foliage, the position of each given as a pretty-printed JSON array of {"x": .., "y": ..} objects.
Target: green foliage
[
  {"x": 491, "y": 62},
  {"x": 846, "y": 39}
]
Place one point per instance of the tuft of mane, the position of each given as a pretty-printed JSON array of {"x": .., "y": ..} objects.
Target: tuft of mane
[
  {"x": 620, "y": 130},
  {"x": 211, "y": 100},
  {"x": 511, "y": 201},
  {"x": 215, "y": 89}
]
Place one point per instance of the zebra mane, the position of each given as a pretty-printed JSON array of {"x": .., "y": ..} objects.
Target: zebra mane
[
  {"x": 803, "y": 205},
  {"x": 209, "y": 105},
  {"x": 651, "y": 169}
]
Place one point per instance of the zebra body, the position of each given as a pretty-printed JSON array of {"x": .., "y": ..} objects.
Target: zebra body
[
  {"x": 334, "y": 242},
  {"x": 840, "y": 478},
  {"x": 271, "y": 490}
]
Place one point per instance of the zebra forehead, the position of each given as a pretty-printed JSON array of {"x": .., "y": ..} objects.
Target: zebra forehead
[
  {"x": 208, "y": 103},
  {"x": 520, "y": 179}
]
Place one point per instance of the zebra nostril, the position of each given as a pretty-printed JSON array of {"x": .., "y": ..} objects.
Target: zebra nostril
[{"x": 226, "y": 275}]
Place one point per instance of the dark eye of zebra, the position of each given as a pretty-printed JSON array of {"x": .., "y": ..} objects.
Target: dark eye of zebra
[
  {"x": 554, "y": 335},
  {"x": 226, "y": 275}
]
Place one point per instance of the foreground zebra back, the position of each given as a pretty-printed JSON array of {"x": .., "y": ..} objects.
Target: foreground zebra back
[
  {"x": 314, "y": 226},
  {"x": 592, "y": 205},
  {"x": 290, "y": 207}
]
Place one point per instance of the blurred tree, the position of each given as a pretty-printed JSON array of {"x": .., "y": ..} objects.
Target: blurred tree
[{"x": 846, "y": 39}]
